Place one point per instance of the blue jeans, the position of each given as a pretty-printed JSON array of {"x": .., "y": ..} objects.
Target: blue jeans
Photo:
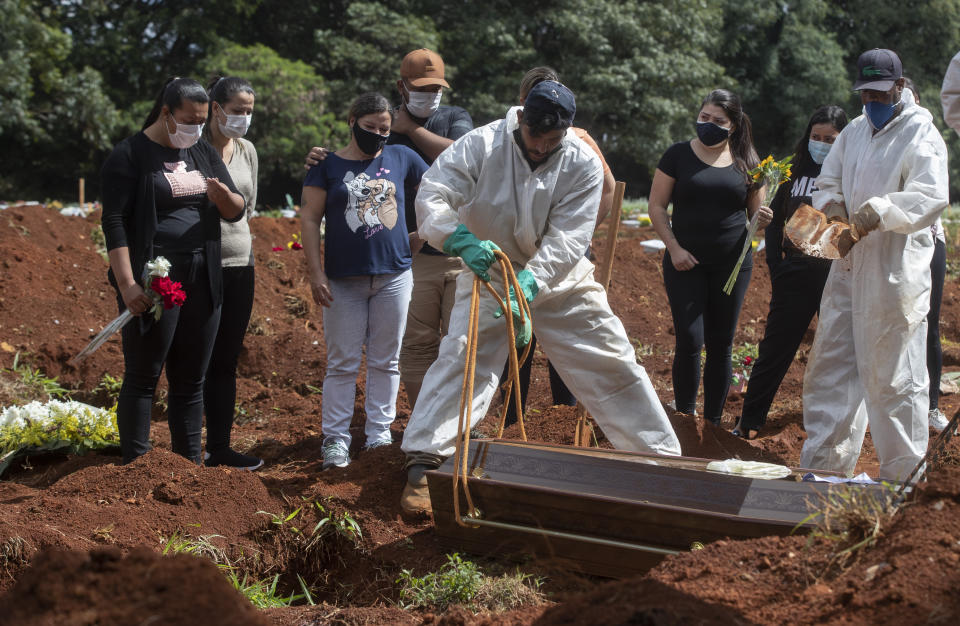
[{"x": 366, "y": 311}]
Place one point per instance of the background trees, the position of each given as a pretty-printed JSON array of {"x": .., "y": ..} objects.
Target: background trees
[{"x": 77, "y": 76}]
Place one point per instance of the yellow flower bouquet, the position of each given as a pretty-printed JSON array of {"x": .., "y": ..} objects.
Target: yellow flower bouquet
[{"x": 769, "y": 174}]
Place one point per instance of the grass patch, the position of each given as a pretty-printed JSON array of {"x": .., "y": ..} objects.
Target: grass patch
[
  {"x": 461, "y": 582},
  {"x": 313, "y": 541},
  {"x": 262, "y": 593},
  {"x": 24, "y": 384},
  {"x": 852, "y": 518}
]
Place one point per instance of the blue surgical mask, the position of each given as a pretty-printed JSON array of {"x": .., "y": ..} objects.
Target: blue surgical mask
[
  {"x": 818, "y": 150},
  {"x": 879, "y": 113},
  {"x": 711, "y": 134}
]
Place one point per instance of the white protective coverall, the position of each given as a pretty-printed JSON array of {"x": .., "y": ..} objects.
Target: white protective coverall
[
  {"x": 950, "y": 94},
  {"x": 868, "y": 361},
  {"x": 543, "y": 220}
]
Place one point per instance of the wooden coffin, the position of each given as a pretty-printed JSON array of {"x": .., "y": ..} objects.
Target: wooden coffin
[{"x": 608, "y": 512}]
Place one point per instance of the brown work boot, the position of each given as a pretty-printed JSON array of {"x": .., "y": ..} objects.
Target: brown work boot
[
  {"x": 416, "y": 494},
  {"x": 415, "y": 499}
]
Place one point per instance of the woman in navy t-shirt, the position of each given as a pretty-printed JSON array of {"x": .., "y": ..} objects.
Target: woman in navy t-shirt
[
  {"x": 364, "y": 279},
  {"x": 706, "y": 180}
]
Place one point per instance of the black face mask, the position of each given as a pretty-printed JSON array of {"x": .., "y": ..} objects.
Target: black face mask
[
  {"x": 710, "y": 134},
  {"x": 368, "y": 142}
]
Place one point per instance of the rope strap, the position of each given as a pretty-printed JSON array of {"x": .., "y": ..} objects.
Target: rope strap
[{"x": 460, "y": 474}]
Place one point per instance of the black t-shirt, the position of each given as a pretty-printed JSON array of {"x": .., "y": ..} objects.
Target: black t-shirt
[
  {"x": 180, "y": 190},
  {"x": 709, "y": 206},
  {"x": 796, "y": 191},
  {"x": 448, "y": 121}
]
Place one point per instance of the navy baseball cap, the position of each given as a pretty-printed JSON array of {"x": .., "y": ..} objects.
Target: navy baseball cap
[
  {"x": 550, "y": 97},
  {"x": 877, "y": 70}
]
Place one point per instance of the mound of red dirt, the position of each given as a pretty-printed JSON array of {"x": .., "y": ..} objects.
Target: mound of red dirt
[{"x": 103, "y": 587}]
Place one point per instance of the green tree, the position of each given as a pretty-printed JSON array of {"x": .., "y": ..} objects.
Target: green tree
[
  {"x": 56, "y": 118},
  {"x": 362, "y": 51},
  {"x": 638, "y": 68},
  {"x": 785, "y": 62},
  {"x": 290, "y": 113}
]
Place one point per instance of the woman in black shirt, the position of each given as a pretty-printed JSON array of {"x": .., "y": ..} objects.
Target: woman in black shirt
[
  {"x": 796, "y": 280},
  {"x": 706, "y": 180},
  {"x": 164, "y": 192}
]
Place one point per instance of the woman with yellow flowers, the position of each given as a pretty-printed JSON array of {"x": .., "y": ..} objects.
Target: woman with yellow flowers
[
  {"x": 796, "y": 280},
  {"x": 707, "y": 179}
]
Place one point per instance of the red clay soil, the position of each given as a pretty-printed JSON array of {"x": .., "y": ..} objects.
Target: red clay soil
[
  {"x": 54, "y": 297},
  {"x": 103, "y": 587}
]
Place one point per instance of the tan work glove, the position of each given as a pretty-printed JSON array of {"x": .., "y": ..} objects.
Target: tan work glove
[{"x": 865, "y": 219}]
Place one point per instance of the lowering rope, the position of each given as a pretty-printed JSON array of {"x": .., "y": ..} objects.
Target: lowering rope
[{"x": 512, "y": 388}]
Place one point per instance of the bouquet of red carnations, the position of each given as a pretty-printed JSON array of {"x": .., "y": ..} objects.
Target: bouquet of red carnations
[{"x": 166, "y": 294}]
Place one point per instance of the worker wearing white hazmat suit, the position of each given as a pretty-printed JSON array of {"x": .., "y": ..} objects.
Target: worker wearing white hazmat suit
[
  {"x": 886, "y": 172},
  {"x": 530, "y": 188},
  {"x": 950, "y": 94}
]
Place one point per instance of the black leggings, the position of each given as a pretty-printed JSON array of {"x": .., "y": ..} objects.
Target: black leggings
[
  {"x": 220, "y": 388},
  {"x": 796, "y": 288},
  {"x": 561, "y": 394},
  {"x": 704, "y": 316},
  {"x": 938, "y": 273},
  {"x": 182, "y": 339}
]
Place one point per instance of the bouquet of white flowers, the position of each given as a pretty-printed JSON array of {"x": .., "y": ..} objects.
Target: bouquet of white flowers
[
  {"x": 55, "y": 425},
  {"x": 166, "y": 294}
]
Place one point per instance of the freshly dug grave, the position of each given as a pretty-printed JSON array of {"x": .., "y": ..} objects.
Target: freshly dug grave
[{"x": 54, "y": 297}]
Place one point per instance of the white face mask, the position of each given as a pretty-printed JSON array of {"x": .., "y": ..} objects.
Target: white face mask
[
  {"x": 236, "y": 126},
  {"x": 186, "y": 134},
  {"x": 423, "y": 103}
]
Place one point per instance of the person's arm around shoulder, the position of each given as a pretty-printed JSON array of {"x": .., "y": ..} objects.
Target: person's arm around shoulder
[
  {"x": 430, "y": 143},
  {"x": 313, "y": 204},
  {"x": 444, "y": 187},
  {"x": 950, "y": 94}
]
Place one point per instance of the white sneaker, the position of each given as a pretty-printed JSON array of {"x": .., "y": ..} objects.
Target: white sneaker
[
  {"x": 335, "y": 454},
  {"x": 938, "y": 421}
]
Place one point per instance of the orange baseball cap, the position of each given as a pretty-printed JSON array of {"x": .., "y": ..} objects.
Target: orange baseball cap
[{"x": 423, "y": 67}]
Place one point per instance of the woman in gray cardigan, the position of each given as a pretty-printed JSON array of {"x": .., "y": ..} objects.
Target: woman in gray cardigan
[{"x": 231, "y": 110}]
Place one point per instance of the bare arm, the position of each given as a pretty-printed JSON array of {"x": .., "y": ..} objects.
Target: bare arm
[
  {"x": 228, "y": 203},
  {"x": 606, "y": 196},
  {"x": 753, "y": 206},
  {"x": 430, "y": 144},
  {"x": 660, "y": 193},
  {"x": 314, "y": 203}
]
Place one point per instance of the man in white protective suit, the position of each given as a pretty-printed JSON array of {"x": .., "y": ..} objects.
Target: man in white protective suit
[
  {"x": 887, "y": 173},
  {"x": 950, "y": 94},
  {"x": 529, "y": 187}
]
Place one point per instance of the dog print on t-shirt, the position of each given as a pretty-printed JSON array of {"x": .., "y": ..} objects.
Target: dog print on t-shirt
[{"x": 371, "y": 202}]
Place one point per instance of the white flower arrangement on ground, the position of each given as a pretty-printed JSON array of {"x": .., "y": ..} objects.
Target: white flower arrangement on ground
[{"x": 55, "y": 425}]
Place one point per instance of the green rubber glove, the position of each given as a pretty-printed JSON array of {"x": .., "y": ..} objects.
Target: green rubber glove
[
  {"x": 528, "y": 285},
  {"x": 476, "y": 253}
]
